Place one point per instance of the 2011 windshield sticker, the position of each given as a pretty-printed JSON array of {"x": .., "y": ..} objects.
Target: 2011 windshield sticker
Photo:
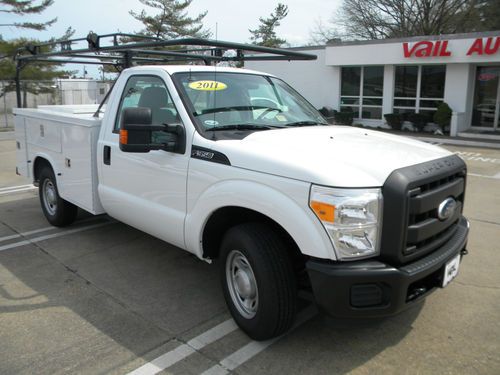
[{"x": 207, "y": 85}]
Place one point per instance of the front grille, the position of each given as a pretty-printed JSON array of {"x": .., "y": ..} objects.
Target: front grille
[
  {"x": 412, "y": 195},
  {"x": 426, "y": 231}
]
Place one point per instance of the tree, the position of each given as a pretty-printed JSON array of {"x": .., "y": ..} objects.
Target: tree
[
  {"x": 489, "y": 14},
  {"x": 36, "y": 77},
  {"x": 322, "y": 34},
  {"x": 26, "y": 7},
  {"x": 380, "y": 19},
  {"x": 171, "y": 20},
  {"x": 265, "y": 34}
]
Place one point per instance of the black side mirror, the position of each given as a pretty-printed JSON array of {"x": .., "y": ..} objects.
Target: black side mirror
[{"x": 136, "y": 132}]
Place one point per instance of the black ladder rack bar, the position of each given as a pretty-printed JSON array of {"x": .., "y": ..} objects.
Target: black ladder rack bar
[{"x": 127, "y": 50}]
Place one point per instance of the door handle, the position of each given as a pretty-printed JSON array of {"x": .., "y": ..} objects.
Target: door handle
[{"x": 106, "y": 155}]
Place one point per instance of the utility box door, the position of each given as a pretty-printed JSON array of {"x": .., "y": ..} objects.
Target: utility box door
[
  {"x": 21, "y": 147},
  {"x": 78, "y": 175}
]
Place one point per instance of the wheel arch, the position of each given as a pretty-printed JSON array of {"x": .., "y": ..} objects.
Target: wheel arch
[
  {"x": 38, "y": 163},
  {"x": 227, "y": 217},
  {"x": 228, "y": 203}
]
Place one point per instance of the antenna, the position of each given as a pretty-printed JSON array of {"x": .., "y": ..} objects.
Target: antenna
[{"x": 215, "y": 78}]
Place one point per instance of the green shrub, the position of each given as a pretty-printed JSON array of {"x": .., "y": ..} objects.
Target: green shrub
[
  {"x": 442, "y": 117},
  {"x": 393, "y": 120},
  {"x": 418, "y": 120},
  {"x": 343, "y": 117}
]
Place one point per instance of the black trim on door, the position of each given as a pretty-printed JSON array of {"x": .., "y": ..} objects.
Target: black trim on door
[{"x": 106, "y": 155}]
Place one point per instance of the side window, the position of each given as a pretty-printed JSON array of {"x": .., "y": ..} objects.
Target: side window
[{"x": 149, "y": 92}]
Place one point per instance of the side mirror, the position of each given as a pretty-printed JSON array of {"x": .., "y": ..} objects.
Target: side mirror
[
  {"x": 136, "y": 133},
  {"x": 136, "y": 130}
]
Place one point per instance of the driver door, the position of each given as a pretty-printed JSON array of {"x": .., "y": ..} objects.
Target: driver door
[{"x": 146, "y": 190}]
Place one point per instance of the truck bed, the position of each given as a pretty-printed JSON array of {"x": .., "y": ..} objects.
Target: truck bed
[{"x": 65, "y": 135}]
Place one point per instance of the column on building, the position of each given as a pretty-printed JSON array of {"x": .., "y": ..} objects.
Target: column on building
[
  {"x": 388, "y": 94},
  {"x": 458, "y": 92}
]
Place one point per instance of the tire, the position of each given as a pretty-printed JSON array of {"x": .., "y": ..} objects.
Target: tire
[
  {"x": 58, "y": 212},
  {"x": 264, "y": 307}
]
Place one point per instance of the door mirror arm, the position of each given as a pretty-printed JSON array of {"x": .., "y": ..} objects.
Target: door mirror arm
[{"x": 179, "y": 145}]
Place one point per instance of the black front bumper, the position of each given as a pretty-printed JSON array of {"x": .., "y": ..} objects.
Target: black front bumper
[{"x": 375, "y": 289}]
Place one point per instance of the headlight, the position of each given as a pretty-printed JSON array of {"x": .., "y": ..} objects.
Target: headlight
[{"x": 352, "y": 218}]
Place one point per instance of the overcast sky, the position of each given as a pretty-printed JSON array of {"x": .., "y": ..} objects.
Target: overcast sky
[{"x": 233, "y": 18}]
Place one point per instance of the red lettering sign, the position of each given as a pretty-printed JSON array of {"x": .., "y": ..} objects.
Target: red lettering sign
[
  {"x": 426, "y": 48},
  {"x": 489, "y": 48}
]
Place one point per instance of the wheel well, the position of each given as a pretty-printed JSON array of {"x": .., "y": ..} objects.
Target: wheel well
[
  {"x": 225, "y": 218},
  {"x": 39, "y": 163}
]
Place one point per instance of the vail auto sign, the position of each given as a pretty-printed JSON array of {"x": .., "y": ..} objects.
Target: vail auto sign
[{"x": 439, "y": 48}]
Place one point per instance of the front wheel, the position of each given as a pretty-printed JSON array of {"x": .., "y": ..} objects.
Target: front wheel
[
  {"x": 258, "y": 280},
  {"x": 58, "y": 212}
]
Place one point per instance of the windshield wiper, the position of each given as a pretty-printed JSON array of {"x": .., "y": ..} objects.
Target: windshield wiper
[
  {"x": 242, "y": 127},
  {"x": 234, "y": 108},
  {"x": 303, "y": 123}
]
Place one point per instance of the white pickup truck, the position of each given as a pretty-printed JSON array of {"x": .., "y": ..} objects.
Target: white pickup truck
[{"x": 235, "y": 165}]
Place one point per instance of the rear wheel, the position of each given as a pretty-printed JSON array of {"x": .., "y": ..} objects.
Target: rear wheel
[
  {"x": 58, "y": 212},
  {"x": 258, "y": 280}
]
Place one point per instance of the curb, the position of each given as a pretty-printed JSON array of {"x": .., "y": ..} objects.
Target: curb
[{"x": 458, "y": 142}]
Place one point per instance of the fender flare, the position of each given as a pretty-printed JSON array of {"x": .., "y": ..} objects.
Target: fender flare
[
  {"x": 301, "y": 224},
  {"x": 50, "y": 160},
  {"x": 55, "y": 167}
]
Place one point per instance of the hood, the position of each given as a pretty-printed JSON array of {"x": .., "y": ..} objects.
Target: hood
[{"x": 328, "y": 155}]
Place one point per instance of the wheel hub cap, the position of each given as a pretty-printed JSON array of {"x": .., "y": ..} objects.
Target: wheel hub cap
[
  {"x": 242, "y": 284},
  {"x": 245, "y": 286},
  {"x": 49, "y": 196}
]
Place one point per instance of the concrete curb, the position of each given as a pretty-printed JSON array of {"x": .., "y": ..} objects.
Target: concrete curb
[{"x": 457, "y": 142}]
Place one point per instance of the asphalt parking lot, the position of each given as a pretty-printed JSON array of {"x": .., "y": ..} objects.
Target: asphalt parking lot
[{"x": 102, "y": 297}]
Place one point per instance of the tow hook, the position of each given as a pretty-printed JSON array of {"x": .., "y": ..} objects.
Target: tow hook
[{"x": 416, "y": 293}]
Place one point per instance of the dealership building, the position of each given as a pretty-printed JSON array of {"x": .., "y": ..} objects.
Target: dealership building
[{"x": 409, "y": 75}]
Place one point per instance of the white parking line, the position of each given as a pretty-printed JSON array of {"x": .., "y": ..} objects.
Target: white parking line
[
  {"x": 253, "y": 348},
  {"x": 495, "y": 177},
  {"x": 182, "y": 351},
  {"x": 24, "y": 234},
  {"x": 17, "y": 189},
  {"x": 54, "y": 235},
  {"x": 34, "y": 231}
]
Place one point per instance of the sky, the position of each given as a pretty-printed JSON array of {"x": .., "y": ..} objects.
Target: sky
[{"x": 233, "y": 18}]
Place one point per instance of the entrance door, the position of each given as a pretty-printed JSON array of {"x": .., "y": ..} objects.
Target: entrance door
[{"x": 486, "y": 108}]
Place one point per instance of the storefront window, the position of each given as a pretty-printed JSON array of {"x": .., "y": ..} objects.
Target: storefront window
[
  {"x": 406, "y": 81},
  {"x": 351, "y": 77},
  {"x": 361, "y": 91},
  {"x": 419, "y": 89}
]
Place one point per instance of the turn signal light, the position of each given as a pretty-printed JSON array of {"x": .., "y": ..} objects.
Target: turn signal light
[
  {"x": 123, "y": 137},
  {"x": 325, "y": 212}
]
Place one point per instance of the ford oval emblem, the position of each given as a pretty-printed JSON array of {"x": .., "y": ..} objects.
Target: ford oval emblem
[{"x": 447, "y": 208}]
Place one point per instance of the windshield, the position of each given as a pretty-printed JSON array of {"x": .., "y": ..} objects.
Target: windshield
[{"x": 226, "y": 101}]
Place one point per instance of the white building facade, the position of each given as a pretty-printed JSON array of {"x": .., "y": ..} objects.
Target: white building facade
[
  {"x": 410, "y": 75},
  {"x": 82, "y": 91}
]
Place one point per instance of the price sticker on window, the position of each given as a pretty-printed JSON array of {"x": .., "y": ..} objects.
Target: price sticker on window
[{"x": 207, "y": 85}]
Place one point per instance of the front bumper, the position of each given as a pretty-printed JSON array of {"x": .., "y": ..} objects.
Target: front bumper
[{"x": 372, "y": 288}]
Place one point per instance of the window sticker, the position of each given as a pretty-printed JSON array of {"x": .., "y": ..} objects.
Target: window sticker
[
  {"x": 207, "y": 85},
  {"x": 211, "y": 122}
]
